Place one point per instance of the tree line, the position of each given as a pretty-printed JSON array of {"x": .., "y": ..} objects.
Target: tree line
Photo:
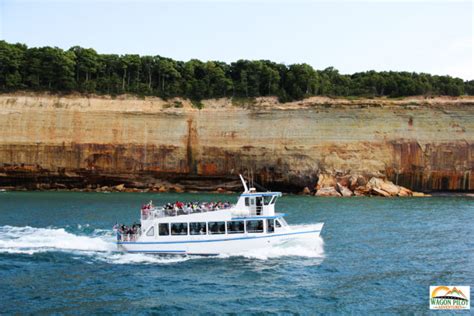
[{"x": 84, "y": 70}]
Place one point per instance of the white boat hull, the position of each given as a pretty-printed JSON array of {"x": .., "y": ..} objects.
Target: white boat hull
[{"x": 220, "y": 244}]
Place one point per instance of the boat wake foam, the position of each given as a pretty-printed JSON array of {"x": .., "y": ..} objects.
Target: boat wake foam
[
  {"x": 99, "y": 245},
  {"x": 313, "y": 248},
  {"x": 31, "y": 240}
]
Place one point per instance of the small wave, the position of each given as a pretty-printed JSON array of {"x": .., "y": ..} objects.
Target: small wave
[{"x": 134, "y": 258}]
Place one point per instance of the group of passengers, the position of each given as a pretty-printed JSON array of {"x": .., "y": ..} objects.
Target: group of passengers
[
  {"x": 128, "y": 233},
  {"x": 182, "y": 208},
  {"x": 191, "y": 207},
  {"x": 146, "y": 209}
]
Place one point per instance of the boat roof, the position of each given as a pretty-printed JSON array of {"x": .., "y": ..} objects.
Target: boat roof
[{"x": 261, "y": 194}]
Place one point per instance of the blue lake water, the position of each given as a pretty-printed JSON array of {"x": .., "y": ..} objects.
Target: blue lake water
[{"x": 376, "y": 256}]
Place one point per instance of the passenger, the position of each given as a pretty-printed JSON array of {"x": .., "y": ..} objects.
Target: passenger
[
  {"x": 165, "y": 230},
  {"x": 222, "y": 228},
  {"x": 135, "y": 229},
  {"x": 129, "y": 233},
  {"x": 116, "y": 228},
  {"x": 124, "y": 232}
]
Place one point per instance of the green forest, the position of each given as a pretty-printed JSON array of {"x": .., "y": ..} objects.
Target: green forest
[{"x": 84, "y": 70}]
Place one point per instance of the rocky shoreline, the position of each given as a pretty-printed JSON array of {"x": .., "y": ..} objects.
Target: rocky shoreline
[
  {"x": 327, "y": 186},
  {"x": 356, "y": 185}
]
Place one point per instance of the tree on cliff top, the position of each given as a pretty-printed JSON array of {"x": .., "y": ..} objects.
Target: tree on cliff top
[{"x": 84, "y": 70}]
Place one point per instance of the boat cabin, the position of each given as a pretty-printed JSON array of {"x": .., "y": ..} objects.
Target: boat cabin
[{"x": 256, "y": 204}]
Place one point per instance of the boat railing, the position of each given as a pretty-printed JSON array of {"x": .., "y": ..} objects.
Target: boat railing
[
  {"x": 128, "y": 235},
  {"x": 160, "y": 212}
]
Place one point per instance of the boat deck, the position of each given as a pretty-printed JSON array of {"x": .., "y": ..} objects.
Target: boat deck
[{"x": 149, "y": 211}]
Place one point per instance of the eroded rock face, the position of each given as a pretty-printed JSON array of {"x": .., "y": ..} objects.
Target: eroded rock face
[
  {"x": 405, "y": 192},
  {"x": 326, "y": 181},
  {"x": 386, "y": 188},
  {"x": 382, "y": 187},
  {"x": 374, "y": 187},
  {"x": 362, "y": 191},
  {"x": 76, "y": 141},
  {"x": 377, "y": 191},
  {"x": 345, "y": 191},
  {"x": 306, "y": 191},
  {"x": 328, "y": 191}
]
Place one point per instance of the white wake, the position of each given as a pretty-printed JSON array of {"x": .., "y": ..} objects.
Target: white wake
[
  {"x": 31, "y": 240},
  {"x": 100, "y": 245},
  {"x": 309, "y": 248}
]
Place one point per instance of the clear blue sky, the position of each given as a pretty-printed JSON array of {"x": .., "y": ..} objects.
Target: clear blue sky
[{"x": 423, "y": 36}]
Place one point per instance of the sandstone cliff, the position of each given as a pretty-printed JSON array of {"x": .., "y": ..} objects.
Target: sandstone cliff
[{"x": 75, "y": 141}]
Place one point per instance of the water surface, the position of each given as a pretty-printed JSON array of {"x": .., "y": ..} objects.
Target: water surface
[{"x": 376, "y": 256}]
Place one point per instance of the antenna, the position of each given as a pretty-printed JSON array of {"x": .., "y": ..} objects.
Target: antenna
[
  {"x": 251, "y": 177},
  {"x": 243, "y": 183}
]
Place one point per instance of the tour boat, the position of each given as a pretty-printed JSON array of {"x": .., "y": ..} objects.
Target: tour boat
[{"x": 213, "y": 228}]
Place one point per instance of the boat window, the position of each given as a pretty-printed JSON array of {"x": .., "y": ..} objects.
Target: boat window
[
  {"x": 164, "y": 229},
  {"x": 255, "y": 226},
  {"x": 247, "y": 201},
  {"x": 198, "y": 228},
  {"x": 252, "y": 201},
  {"x": 151, "y": 231},
  {"x": 270, "y": 226},
  {"x": 235, "y": 227},
  {"x": 216, "y": 228},
  {"x": 277, "y": 223},
  {"x": 179, "y": 228},
  {"x": 267, "y": 199},
  {"x": 273, "y": 199}
]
